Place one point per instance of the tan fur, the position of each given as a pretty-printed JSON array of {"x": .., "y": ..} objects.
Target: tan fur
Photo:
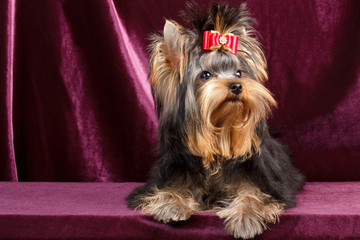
[
  {"x": 227, "y": 129},
  {"x": 249, "y": 212},
  {"x": 254, "y": 57},
  {"x": 221, "y": 26},
  {"x": 170, "y": 205}
]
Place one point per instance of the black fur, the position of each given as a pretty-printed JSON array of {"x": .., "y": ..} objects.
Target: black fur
[{"x": 271, "y": 171}]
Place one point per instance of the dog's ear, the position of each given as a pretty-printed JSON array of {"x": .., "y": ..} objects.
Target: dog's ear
[
  {"x": 175, "y": 47},
  {"x": 168, "y": 60},
  {"x": 172, "y": 46}
]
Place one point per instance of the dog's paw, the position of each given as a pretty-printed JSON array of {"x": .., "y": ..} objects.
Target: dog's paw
[
  {"x": 170, "y": 212},
  {"x": 246, "y": 219},
  {"x": 241, "y": 224},
  {"x": 167, "y": 207}
]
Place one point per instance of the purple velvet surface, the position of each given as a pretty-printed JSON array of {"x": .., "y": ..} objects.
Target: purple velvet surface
[
  {"x": 98, "y": 211},
  {"x": 75, "y": 104}
]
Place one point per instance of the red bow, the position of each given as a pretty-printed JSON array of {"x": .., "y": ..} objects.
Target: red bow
[{"x": 213, "y": 41}]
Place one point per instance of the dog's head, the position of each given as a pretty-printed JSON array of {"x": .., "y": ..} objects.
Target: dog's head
[{"x": 211, "y": 81}]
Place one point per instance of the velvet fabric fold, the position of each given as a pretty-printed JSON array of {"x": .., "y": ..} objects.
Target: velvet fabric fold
[
  {"x": 8, "y": 170},
  {"x": 75, "y": 103}
]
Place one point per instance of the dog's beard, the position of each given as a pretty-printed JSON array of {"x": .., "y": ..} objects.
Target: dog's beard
[{"x": 228, "y": 121}]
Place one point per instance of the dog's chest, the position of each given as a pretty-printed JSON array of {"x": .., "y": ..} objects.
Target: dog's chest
[{"x": 214, "y": 188}]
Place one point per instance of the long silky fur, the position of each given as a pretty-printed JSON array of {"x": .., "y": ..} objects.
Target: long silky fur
[{"x": 210, "y": 170}]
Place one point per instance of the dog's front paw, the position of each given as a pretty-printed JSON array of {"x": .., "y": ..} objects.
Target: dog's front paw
[
  {"x": 167, "y": 206},
  {"x": 170, "y": 212},
  {"x": 247, "y": 217},
  {"x": 241, "y": 224}
]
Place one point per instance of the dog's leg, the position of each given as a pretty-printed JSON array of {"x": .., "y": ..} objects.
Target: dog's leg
[
  {"x": 170, "y": 205},
  {"x": 247, "y": 214}
]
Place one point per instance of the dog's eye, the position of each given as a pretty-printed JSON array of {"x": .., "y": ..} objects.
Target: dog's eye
[
  {"x": 238, "y": 74},
  {"x": 205, "y": 75}
]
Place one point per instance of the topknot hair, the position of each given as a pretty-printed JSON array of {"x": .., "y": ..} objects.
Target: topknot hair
[{"x": 220, "y": 17}]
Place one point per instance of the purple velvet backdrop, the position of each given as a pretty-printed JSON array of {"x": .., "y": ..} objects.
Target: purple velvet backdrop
[{"x": 75, "y": 104}]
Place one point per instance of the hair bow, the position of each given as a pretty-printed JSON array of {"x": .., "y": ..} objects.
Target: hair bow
[{"x": 213, "y": 41}]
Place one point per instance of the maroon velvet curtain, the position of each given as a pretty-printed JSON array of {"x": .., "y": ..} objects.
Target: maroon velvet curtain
[{"x": 75, "y": 104}]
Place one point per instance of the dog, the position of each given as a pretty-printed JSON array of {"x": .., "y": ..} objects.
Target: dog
[{"x": 215, "y": 151}]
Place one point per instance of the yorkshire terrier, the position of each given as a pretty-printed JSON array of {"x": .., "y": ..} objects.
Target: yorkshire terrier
[{"x": 215, "y": 151}]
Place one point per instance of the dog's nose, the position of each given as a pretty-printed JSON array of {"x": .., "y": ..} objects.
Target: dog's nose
[{"x": 236, "y": 88}]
